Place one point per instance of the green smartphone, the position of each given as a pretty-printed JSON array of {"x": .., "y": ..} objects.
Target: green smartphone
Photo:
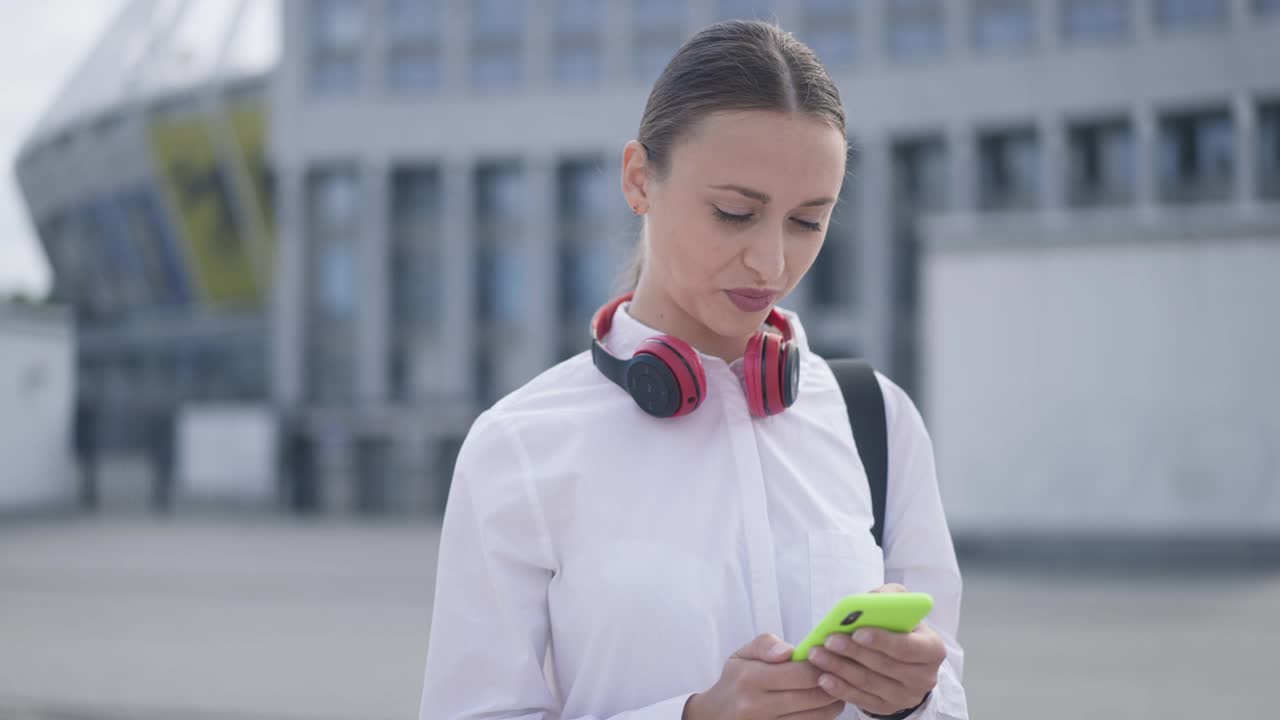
[{"x": 898, "y": 612}]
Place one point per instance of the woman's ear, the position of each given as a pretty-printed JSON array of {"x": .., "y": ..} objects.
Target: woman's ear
[{"x": 635, "y": 177}]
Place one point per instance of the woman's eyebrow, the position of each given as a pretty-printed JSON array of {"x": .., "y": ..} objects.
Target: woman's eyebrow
[{"x": 764, "y": 197}]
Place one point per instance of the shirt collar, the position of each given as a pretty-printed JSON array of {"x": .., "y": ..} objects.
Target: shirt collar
[{"x": 627, "y": 333}]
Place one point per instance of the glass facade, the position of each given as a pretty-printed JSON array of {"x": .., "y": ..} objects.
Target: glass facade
[
  {"x": 501, "y": 204},
  {"x": 828, "y": 26},
  {"x": 415, "y": 274},
  {"x": 1100, "y": 162},
  {"x": 577, "y": 51},
  {"x": 333, "y": 218},
  {"x": 1092, "y": 22},
  {"x": 745, "y": 10},
  {"x": 1003, "y": 25},
  {"x": 584, "y": 256},
  {"x": 659, "y": 28},
  {"x": 336, "y": 39},
  {"x": 1197, "y": 156},
  {"x": 1269, "y": 150},
  {"x": 1008, "y": 169},
  {"x": 414, "y": 56},
  {"x": 497, "y": 43},
  {"x": 914, "y": 29},
  {"x": 1176, "y": 14},
  {"x": 832, "y": 282}
]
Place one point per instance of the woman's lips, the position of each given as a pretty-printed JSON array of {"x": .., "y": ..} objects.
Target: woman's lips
[{"x": 752, "y": 301}]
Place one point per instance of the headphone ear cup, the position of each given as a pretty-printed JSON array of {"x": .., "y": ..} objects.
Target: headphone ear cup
[
  {"x": 752, "y": 363},
  {"x": 773, "y": 358},
  {"x": 685, "y": 369},
  {"x": 653, "y": 385},
  {"x": 790, "y": 373}
]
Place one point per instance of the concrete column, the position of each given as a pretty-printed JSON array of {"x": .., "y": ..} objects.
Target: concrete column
[
  {"x": 1053, "y": 143},
  {"x": 1240, "y": 14},
  {"x": 452, "y": 357},
  {"x": 457, "y": 41},
  {"x": 1143, "y": 16},
  {"x": 371, "y": 351},
  {"x": 701, "y": 13},
  {"x": 1046, "y": 14},
  {"x": 541, "y": 282},
  {"x": 959, "y": 19},
  {"x": 868, "y": 28},
  {"x": 537, "y": 44},
  {"x": 1245, "y": 119},
  {"x": 618, "y": 44},
  {"x": 288, "y": 291},
  {"x": 1146, "y": 147},
  {"x": 962, "y": 151},
  {"x": 874, "y": 264},
  {"x": 373, "y": 60}
]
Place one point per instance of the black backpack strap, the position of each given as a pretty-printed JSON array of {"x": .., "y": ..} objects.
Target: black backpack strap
[{"x": 865, "y": 404}]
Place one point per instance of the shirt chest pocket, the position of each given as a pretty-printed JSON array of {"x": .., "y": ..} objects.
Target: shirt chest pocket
[{"x": 841, "y": 563}]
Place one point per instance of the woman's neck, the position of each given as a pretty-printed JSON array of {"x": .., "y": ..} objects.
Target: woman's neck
[{"x": 653, "y": 307}]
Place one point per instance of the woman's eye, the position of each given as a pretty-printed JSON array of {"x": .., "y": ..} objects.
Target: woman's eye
[
  {"x": 731, "y": 218},
  {"x": 810, "y": 226}
]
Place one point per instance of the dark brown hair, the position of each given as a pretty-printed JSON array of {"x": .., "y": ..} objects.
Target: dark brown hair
[{"x": 733, "y": 65}]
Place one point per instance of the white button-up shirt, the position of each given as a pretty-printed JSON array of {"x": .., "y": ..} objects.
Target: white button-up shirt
[{"x": 596, "y": 562}]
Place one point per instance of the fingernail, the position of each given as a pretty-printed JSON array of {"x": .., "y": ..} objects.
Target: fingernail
[
  {"x": 816, "y": 655},
  {"x": 826, "y": 682},
  {"x": 835, "y": 642},
  {"x": 780, "y": 649},
  {"x": 863, "y": 637}
]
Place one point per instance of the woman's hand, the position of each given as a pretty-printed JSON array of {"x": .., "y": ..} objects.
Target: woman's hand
[
  {"x": 760, "y": 682},
  {"x": 880, "y": 671}
]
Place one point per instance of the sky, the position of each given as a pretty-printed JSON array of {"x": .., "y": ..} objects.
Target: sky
[{"x": 47, "y": 39}]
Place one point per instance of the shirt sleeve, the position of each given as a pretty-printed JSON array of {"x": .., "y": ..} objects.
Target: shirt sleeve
[
  {"x": 489, "y": 622},
  {"x": 918, "y": 551}
]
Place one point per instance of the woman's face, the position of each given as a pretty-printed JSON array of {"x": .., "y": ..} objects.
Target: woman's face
[{"x": 738, "y": 220}]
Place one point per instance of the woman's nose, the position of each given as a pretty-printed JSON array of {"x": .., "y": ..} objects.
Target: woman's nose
[{"x": 764, "y": 256}]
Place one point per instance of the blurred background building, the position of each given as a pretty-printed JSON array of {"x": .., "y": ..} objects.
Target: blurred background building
[{"x": 375, "y": 217}]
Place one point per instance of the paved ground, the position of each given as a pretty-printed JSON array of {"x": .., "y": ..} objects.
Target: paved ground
[{"x": 128, "y": 616}]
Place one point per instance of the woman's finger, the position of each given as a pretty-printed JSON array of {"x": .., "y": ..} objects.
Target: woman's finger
[
  {"x": 858, "y": 675},
  {"x": 864, "y": 699}
]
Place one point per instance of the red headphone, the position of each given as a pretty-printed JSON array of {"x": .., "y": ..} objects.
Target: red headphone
[{"x": 666, "y": 378}]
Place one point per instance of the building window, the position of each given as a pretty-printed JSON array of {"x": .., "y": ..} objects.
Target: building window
[
  {"x": 1266, "y": 7},
  {"x": 827, "y": 26},
  {"x": 496, "y": 43},
  {"x": 500, "y": 207},
  {"x": 659, "y": 31},
  {"x": 920, "y": 174},
  {"x": 1003, "y": 25},
  {"x": 1101, "y": 163},
  {"x": 336, "y": 36},
  {"x": 914, "y": 29},
  {"x": 1086, "y": 22},
  {"x": 333, "y": 218},
  {"x": 1008, "y": 169},
  {"x": 417, "y": 296},
  {"x": 1197, "y": 156},
  {"x": 584, "y": 253},
  {"x": 832, "y": 281},
  {"x": 1269, "y": 150},
  {"x": 414, "y": 55},
  {"x": 919, "y": 167},
  {"x": 1179, "y": 14},
  {"x": 745, "y": 10},
  {"x": 577, "y": 45}
]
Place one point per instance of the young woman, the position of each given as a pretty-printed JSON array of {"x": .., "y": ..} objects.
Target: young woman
[{"x": 636, "y": 538}]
